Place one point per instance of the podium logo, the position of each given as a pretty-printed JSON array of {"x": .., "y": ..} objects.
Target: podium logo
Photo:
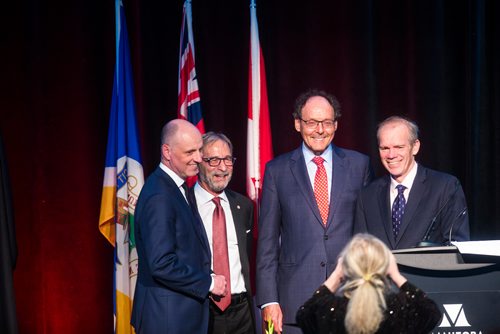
[{"x": 454, "y": 316}]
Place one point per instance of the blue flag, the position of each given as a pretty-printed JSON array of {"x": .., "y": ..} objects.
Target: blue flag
[{"x": 123, "y": 179}]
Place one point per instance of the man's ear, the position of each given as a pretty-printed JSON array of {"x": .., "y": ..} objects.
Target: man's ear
[
  {"x": 297, "y": 124},
  {"x": 165, "y": 151},
  {"x": 416, "y": 147}
]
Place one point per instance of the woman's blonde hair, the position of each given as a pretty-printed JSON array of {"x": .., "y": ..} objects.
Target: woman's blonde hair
[{"x": 365, "y": 262}]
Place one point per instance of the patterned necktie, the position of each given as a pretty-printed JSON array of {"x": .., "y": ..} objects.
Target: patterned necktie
[
  {"x": 220, "y": 256},
  {"x": 398, "y": 210},
  {"x": 321, "y": 189}
]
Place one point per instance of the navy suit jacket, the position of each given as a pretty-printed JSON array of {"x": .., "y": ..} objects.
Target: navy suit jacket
[
  {"x": 433, "y": 195},
  {"x": 174, "y": 262},
  {"x": 295, "y": 251}
]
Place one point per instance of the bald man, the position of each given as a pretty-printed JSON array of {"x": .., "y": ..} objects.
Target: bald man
[{"x": 174, "y": 277}]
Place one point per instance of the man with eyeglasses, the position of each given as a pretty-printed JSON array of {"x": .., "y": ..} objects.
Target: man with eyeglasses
[
  {"x": 307, "y": 210},
  {"x": 228, "y": 220}
]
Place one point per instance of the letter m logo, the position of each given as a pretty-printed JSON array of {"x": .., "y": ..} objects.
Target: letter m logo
[{"x": 454, "y": 316}]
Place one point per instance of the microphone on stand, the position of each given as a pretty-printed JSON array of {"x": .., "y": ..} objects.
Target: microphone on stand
[
  {"x": 462, "y": 213},
  {"x": 425, "y": 242}
]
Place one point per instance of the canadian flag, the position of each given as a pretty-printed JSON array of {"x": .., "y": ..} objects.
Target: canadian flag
[{"x": 259, "y": 143}]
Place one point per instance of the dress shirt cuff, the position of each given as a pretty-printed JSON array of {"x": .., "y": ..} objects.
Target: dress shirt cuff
[
  {"x": 212, "y": 283},
  {"x": 267, "y": 304}
]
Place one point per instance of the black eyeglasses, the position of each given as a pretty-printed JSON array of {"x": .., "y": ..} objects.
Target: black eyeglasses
[
  {"x": 312, "y": 123},
  {"x": 215, "y": 161}
]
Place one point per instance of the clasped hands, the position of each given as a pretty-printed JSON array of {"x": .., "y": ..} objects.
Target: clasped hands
[{"x": 220, "y": 286}]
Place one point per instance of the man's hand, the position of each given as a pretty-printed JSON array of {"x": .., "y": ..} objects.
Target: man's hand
[
  {"x": 220, "y": 286},
  {"x": 273, "y": 312}
]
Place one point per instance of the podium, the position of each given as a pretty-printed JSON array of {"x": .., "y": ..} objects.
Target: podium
[{"x": 466, "y": 287}]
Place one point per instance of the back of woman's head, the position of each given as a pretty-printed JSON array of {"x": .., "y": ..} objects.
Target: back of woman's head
[{"x": 364, "y": 262}]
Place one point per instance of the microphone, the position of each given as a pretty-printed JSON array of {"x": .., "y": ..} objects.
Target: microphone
[
  {"x": 425, "y": 240},
  {"x": 462, "y": 213}
]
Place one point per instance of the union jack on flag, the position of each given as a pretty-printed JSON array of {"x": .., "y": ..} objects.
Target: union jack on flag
[{"x": 189, "y": 105}]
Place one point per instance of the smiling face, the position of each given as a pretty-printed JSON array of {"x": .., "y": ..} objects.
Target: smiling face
[
  {"x": 181, "y": 151},
  {"x": 215, "y": 179},
  {"x": 319, "y": 137},
  {"x": 397, "y": 151}
]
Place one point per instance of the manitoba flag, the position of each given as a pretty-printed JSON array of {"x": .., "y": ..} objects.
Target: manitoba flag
[{"x": 189, "y": 106}]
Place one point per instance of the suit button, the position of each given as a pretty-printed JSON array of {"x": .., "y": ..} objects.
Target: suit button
[
  {"x": 325, "y": 237},
  {"x": 323, "y": 264}
]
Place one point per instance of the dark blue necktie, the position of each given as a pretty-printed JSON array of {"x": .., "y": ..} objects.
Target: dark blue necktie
[{"x": 398, "y": 210}]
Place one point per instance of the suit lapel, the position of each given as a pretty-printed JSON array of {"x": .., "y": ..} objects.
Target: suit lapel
[
  {"x": 299, "y": 172},
  {"x": 339, "y": 170},
  {"x": 385, "y": 207},
  {"x": 198, "y": 223},
  {"x": 240, "y": 220},
  {"x": 240, "y": 228}
]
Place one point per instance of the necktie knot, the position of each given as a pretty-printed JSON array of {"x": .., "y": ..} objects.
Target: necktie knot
[
  {"x": 318, "y": 161},
  {"x": 185, "y": 187},
  {"x": 216, "y": 200},
  {"x": 400, "y": 189}
]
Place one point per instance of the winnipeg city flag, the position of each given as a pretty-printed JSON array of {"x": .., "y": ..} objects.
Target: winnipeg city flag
[{"x": 123, "y": 180}]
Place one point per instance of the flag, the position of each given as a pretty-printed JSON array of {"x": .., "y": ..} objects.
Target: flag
[
  {"x": 8, "y": 252},
  {"x": 259, "y": 144},
  {"x": 123, "y": 180},
  {"x": 189, "y": 105}
]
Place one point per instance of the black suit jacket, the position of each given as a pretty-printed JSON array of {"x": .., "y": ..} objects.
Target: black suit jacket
[
  {"x": 433, "y": 196},
  {"x": 242, "y": 211}
]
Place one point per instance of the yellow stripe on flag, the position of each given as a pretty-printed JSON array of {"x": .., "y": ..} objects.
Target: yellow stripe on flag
[
  {"x": 107, "y": 215},
  {"x": 123, "y": 311}
]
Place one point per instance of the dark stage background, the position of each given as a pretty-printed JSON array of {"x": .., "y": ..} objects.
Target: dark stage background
[{"x": 435, "y": 61}]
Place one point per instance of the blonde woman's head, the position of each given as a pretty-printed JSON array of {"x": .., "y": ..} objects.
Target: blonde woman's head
[{"x": 365, "y": 261}]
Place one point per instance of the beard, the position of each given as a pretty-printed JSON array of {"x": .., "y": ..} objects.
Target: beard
[{"x": 215, "y": 186}]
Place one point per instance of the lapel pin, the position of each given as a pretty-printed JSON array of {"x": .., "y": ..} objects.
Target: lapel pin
[{"x": 238, "y": 207}]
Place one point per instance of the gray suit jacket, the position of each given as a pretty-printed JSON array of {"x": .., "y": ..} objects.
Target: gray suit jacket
[
  {"x": 295, "y": 251},
  {"x": 433, "y": 196}
]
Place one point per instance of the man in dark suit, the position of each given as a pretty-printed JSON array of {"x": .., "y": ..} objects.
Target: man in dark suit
[
  {"x": 430, "y": 205},
  {"x": 216, "y": 170},
  {"x": 307, "y": 211},
  {"x": 174, "y": 277}
]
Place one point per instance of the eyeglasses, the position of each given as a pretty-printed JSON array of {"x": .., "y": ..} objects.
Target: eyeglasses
[
  {"x": 215, "y": 161},
  {"x": 313, "y": 124}
]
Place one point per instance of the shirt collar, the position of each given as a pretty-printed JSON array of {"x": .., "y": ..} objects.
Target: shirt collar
[
  {"x": 177, "y": 179},
  {"x": 203, "y": 196},
  {"x": 408, "y": 180},
  {"x": 309, "y": 155}
]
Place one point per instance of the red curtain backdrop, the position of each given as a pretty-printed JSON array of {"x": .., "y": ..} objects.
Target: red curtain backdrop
[{"x": 435, "y": 61}]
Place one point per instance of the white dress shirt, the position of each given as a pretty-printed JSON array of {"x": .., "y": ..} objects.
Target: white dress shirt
[{"x": 206, "y": 209}]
